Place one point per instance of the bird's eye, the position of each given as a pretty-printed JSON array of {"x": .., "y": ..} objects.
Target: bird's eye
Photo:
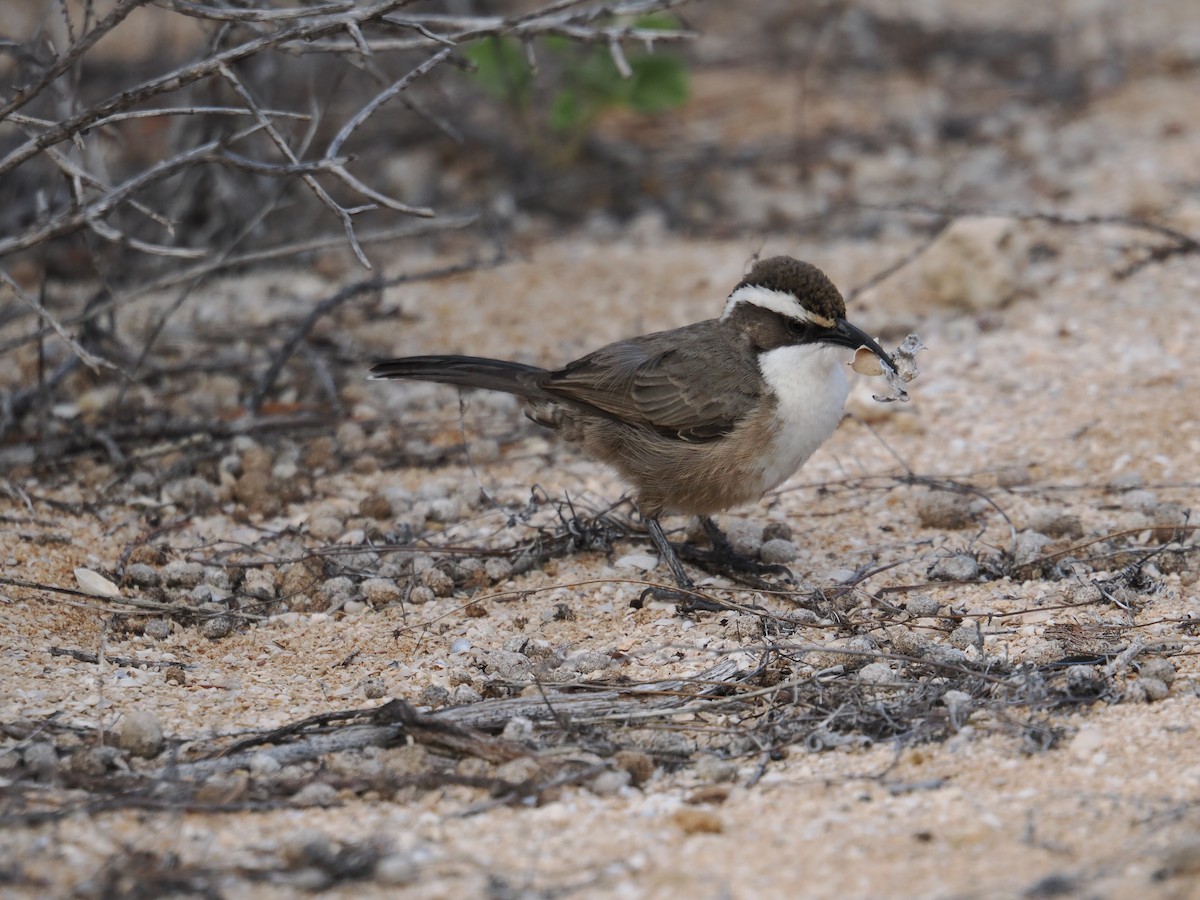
[{"x": 798, "y": 328}]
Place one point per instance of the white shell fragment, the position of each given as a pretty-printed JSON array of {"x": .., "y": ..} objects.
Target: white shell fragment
[
  {"x": 866, "y": 363},
  {"x": 95, "y": 584},
  {"x": 903, "y": 358}
]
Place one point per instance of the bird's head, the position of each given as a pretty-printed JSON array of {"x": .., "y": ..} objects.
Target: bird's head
[{"x": 810, "y": 307}]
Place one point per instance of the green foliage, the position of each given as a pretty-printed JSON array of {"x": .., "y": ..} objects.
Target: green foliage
[
  {"x": 501, "y": 69},
  {"x": 588, "y": 83}
]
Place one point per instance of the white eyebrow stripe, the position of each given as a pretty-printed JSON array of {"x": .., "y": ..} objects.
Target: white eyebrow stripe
[{"x": 776, "y": 301}]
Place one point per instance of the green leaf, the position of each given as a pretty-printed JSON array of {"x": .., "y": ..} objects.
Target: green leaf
[
  {"x": 659, "y": 83},
  {"x": 568, "y": 111},
  {"x": 501, "y": 69},
  {"x": 657, "y": 22}
]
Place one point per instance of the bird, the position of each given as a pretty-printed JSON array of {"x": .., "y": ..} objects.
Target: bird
[{"x": 697, "y": 419}]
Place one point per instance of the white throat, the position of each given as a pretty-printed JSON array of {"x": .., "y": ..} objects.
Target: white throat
[{"x": 810, "y": 386}]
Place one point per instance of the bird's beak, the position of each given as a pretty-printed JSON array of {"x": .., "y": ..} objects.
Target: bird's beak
[{"x": 846, "y": 335}]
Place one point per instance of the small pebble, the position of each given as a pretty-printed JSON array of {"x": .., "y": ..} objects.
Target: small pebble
[
  {"x": 776, "y": 531},
  {"x": 140, "y": 733},
  {"x": 638, "y": 763},
  {"x": 1142, "y": 501},
  {"x": 396, "y": 870},
  {"x": 692, "y": 820},
  {"x": 497, "y": 569},
  {"x": 1029, "y": 546},
  {"x": 465, "y": 695},
  {"x": 468, "y": 572},
  {"x": 712, "y": 768},
  {"x": 94, "y": 761},
  {"x": 956, "y": 701},
  {"x": 1013, "y": 477},
  {"x": 959, "y": 567},
  {"x": 610, "y": 782},
  {"x": 218, "y": 577},
  {"x": 192, "y": 494},
  {"x": 157, "y": 629},
  {"x": 1153, "y": 688},
  {"x": 142, "y": 575},
  {"x": 777, "y": 551},
  {"x": 433, "y": 490},
  {"x": 745, "y": 536},
  {"x": 308, "y": 847},
  {"x": 336, "y": 591},
  {"x": 802, "y": 616},
  {"x": 1084, "y": 681},
  {"x": 1057, "y": 524},
  {"x": 320, "y": 453},
  {"x": 518, "y": 729},
  {"x": 375, "y": 506},
  {"x": 203, "y": 594},
  {"x": 315, "y": 793},
  {"x": 522, "y": 770},
  {"x": 444, "y": 510},
  {"x": 1084, "y": 592},
  {"x": 643, "y": 562},
  {"x": 508, "y": 666},
  {"x": 351, "y": 438},
  {"x": 434, "y": 696},
  {"x": 460, "y": 645},
  {"x": 40, "y": 757},
  {"x": 326, "y": 527},
  {"x": 1183, "y": 857},
  {"x": 381, "y": 591},
  {"x": 588, "y": 661},
  {"x": 264, "y": 764},
  {"x": 1160, "y": 668},
  {"x": 259, "y": 584},
  {"x": 216, "y": 627},
  {"x": 877, "y": 673},
  {"x": 437, "y": 581},
  {"x": 966, "y": 635},
  {"x": 421, "y": 594},
  {"x": 180, "y": 573},
  {"x": 944, "y": 509},
  {"x": 374, "y": 687},
  {"x": 922, "y": 606}
]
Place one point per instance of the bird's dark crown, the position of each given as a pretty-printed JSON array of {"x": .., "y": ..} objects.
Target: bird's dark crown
[{"x": 804, "y": 281}]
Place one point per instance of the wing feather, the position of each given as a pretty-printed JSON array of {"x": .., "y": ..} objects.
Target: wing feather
[{"x": 651, "y": 382}]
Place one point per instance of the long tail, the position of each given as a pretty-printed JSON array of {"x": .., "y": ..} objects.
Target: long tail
[{"x": 465, "y": 371}]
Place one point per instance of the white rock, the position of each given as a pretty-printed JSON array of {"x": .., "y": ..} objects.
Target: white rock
[
  {"x": 643, "y": 561},
  {"x": 95, "y": 584}
]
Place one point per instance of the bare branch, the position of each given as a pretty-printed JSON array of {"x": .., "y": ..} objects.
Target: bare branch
[
  {"x": 335, "y": 146},
  {"x": 72, "y": 56},
  {"x": 95, "y": 363}
]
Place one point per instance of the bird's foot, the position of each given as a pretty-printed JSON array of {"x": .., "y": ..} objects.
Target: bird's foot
[
  {"x": 724, "y": 560},
  {"x": 686, "y": 600}
]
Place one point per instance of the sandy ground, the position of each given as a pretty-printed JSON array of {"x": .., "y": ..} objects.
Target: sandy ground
[{"x": 1060, "y": 388}]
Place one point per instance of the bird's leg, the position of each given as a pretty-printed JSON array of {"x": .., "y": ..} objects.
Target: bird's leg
[
  {"x": 685, "y": 595},
  {"x": 719, "y": 540},
  {"x": 670, "y": 557},
  {"x": 723, "y": 559}
]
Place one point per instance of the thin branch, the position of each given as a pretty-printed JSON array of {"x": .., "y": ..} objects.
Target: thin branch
[
  {"x": 95, "y": 363},
  {"x": 72, "y": 56}
]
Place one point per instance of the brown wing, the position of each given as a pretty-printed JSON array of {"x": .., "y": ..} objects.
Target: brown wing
[{"x": 651, "y": 382}]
